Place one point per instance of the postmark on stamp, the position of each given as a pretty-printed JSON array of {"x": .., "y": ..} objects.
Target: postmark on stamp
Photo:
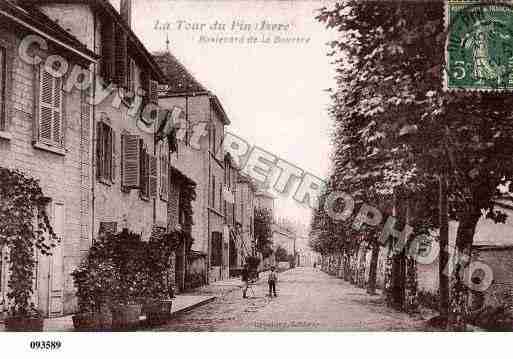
[{"x": 479, "y": 48}]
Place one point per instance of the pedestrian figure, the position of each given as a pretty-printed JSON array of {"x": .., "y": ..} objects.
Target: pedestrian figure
[
  {"x": 245, "y": 280},
  {"x": 271, "y": 280}
]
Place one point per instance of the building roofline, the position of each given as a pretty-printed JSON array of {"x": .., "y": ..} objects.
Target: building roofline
[
  {"x": 219, "y": 107},
  {"x": 23, "y": 18},
  {"x": 114, "y": 14}
]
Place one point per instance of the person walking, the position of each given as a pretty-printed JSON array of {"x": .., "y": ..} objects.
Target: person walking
[
  {"x": 271, "y": 280},
  {"x": 245, "y": 280}
]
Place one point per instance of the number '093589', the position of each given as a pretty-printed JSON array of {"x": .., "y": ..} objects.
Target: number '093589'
[{"x": 45, "y": 344}]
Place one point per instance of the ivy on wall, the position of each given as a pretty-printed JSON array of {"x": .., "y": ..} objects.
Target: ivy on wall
[{"x": 24, "y": 226}]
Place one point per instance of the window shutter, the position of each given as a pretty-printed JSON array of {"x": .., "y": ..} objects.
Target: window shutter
[
  {"x": 108, "y": 50},
  {"x": 113, "y": 157},
  {"x": 108, "y": 154},
  {"x": 164, "y": 172},
  {"x": 57, "y": 111},
  {"x": 45, "y": 105},
  {"x": 121, "y": 57},
  {"x": 153, "y": 174},
  {"x": 146, "y": 174},
  {"x": 107, "y": 228},
  {"x": 131, "y": 162},
  {"x": 153, "y": 89},
  {"x": 143, "y": 169},
  {"x": 131, "y": 76},
  {"x": 99, "y": 150}
]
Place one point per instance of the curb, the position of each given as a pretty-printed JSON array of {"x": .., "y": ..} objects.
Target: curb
[{"x": 191, "y": 307}]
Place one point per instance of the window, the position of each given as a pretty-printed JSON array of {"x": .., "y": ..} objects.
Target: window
[
  {"x": 144, "y": 168},
  {"x": 108, "y": 50},
  {"x": 217, "y": 249},
  {"x": 148, "y": 172},
  {"x": 131, "y": 77},
  {"x": 221, "y": 201},
  {"x": 213, "y": 199},
  {"x": 164, "y": 171},
  {"x": 3, "y": 74},
  {"x": 50, "y": 109},
  {"x": 130, "y": 162},
  {"x": 105, "y": 148},
  {"x": 107, "y": 228}
]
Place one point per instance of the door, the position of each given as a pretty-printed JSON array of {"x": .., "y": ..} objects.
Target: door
[{"x": 56, "y": 272}]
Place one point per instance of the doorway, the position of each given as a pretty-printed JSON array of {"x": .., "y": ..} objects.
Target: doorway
[{"x": 51, "y": 268}]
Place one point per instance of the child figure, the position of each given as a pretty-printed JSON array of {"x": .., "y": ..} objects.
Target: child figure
[{"x": 271, "y": 280}]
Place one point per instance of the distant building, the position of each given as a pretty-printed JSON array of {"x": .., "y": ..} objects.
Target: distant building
[{"x": 264, "y": 199}]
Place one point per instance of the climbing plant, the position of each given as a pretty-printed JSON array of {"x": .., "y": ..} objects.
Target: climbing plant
[{"x": 24, "y": 226}]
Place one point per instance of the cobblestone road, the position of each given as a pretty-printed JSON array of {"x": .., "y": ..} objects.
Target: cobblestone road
[{"x": 308, "y": 299}]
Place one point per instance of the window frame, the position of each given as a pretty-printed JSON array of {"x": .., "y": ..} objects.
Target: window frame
[
  {"x": 106, "y": 174},
  {"x": 39, "y": 142},
  {"x": 213, "y": 194},
  {"x": 164, "y": 171},
  {"x": 144, "y": 168}
]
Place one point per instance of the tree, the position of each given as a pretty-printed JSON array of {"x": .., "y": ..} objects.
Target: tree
[
  {"x": 263, "y": 231},
  {"x": 389, "y": 83}
]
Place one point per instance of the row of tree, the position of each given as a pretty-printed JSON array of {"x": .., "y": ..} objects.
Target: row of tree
[{"x": 401, "y": 142}]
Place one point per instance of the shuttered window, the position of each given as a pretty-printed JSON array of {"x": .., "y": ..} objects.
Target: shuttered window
[
  {"x": 217, "y": 249},
  {"x": 130, "y": 162},
  {"x": 213, "y": 196},
  {"x": 3, "y": 74},
  {"x": 50, "y": 109},
  {"x": 121, "y": 58},
  {"x": 108, "y": 50},
  {"x": 131, "y": 78},
  {"x": 105, "y": 144},
  {"x": 144, "y": 171},
  {"x": 107, "y": 228},
  {"x": 153, "y": 94},
  {"x": 221, "y": 201},
  {"x": 153, "y": 176},
  {"x": 164, "y": 172}
]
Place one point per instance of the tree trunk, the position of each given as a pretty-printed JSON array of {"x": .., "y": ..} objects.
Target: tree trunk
[
  {"x": 458, "y": 309},
  {"x": 444, "y": 252},
  {"x": 354, "y": 263},
  {"x": 371, "y": 287},
  {"x": 347, "y": 265}
]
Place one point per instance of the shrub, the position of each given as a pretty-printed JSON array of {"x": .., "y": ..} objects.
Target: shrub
[{"x": 123, "y": 269}]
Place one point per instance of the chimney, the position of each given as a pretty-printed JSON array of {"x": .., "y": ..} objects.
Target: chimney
[{"x": 125, "y": 9}]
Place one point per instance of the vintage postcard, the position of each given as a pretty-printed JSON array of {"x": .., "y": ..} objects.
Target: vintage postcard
[{"x": 255, "y": 166}]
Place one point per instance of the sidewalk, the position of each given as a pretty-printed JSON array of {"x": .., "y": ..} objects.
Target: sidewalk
[{"x": 182, "y": 303}]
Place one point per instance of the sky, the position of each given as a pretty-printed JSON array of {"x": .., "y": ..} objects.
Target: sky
[{"x": 273, "y": 93}]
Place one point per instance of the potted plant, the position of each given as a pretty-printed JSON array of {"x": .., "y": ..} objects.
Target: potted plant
[
  {"x": 20, "y": 198},
  {"x": 24, "y": 321},
  {"x": 94, "y": 280},
  {"x": 130, "y": 257},
  {"x": 159, "y": 288}
]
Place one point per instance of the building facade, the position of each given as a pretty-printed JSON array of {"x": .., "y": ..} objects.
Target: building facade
[
  {"x": 200, "y": 119},
  {"x": 45, "y": 132},
  {"x": 245, "y": 216}
]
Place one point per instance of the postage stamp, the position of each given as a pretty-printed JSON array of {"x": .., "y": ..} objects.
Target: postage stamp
[{"x": 479, "y": 51}]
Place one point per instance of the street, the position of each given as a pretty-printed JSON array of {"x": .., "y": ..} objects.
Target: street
[{"x": 308, "y": 300}]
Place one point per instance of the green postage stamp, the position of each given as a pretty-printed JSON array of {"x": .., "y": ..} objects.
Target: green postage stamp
[{"x": 479, "y": 48}]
